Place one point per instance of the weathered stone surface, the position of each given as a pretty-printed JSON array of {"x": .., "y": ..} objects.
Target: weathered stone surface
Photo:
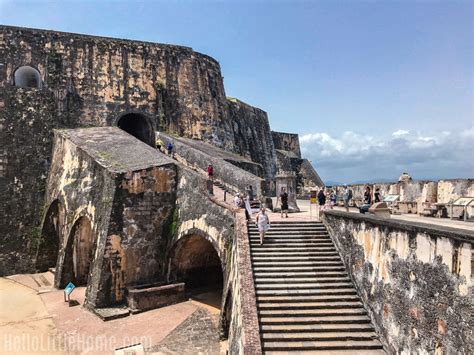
[
  {"x": 414, "y": 279},
  {"x": 128, "y": 201},
  {"x": 95, "y": 81},
  {"x": 252, "y": 135},
  {"x": 288, "y": 142},
  {"x": 145, "y": 297},
  {"x": 196, "y": 155}
]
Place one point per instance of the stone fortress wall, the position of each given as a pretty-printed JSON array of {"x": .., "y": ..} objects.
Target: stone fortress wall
[
  {"x": 85, "y": 81},
  {"x": 415, "y": 280}
]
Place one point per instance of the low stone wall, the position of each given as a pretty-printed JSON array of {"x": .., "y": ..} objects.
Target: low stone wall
[
  {"x": 414, "y": 278},
  {"x": 244, "y": 335},
  {"x": 419, "y": 192},
  {"x": 140, "y": 299}
]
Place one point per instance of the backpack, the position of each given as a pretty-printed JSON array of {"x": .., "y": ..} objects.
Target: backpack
[{"x": 350, "y": 194}]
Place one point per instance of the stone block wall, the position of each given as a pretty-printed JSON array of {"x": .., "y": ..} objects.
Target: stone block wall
[
  {"x": 415, "y": 281},
  {"x": 128, "y": 200},
  {"x": 287, "y": 141},
  {"x": 27, "y": 120},
  {"x": 252, "y": 136}
]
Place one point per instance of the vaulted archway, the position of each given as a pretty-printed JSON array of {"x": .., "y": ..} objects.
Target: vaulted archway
[
  {"x": 27, "y": 77},
  {"x": 194, "y": 261},
  {"x": 78, "y": 254},
  {"x": 139, "y": 126},
  {"x": 51, "y": 237}
]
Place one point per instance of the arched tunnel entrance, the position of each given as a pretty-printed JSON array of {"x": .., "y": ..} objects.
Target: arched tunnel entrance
[
  {"x": 139, "y": 126},
  {"x": 195, "y": 261},
  {"x": 51, "y": 236},
  {"x": 78, "y": 254}
]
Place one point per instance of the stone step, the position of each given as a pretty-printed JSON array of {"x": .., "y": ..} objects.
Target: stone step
[
  {"x": 287, "y": 263},
  {"x": 280, "y": 299},
  {"x": 325, "y": 345},
  {"x": 254, "y": 229},
  {"x": 299, "y": 280},
  {"x": 296, "y": 238},
  {"x": 299, "y": 223},
  {"x": 304, "y": 286},
  {"x": 318, "y": 336},
  {"x": 291, "y": 242},
  {"x": 337, "y": 319},
  {"x": 306, "y": 292},
  {"x": 311, "y": 260},
  {"x": 332, "y": 352},
  {"x": 312, "y": 312},
  {"x": 290, "y": 233},
  {"x": 310, "y": 305},
  {"x": 301, "y": 247},
  {"x": 319, "y": 328},
  {"x": 310, "y": 268},
  {"x": 294, "y": 252},
  {"x": 295, "y": 256},
  {"x": 278, "y": 274}
]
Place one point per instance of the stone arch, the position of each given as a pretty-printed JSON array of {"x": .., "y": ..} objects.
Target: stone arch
[
  {"x": 138, "y": 125},
  {"x": 78, "y": 254},
  {"x": 51, "y": 236},
  {"x": 195, "y": 260},
  {"x": 27, "y": 77}
]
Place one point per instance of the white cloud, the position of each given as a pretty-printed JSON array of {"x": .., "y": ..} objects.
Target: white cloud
[
  {"x": 400, "y": 132},
  {"x": 353, "y": 156}
]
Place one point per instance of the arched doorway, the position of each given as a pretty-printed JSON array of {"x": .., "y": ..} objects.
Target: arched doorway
[
  {"x": 195, "y": 261},
  {"x": 78, "y": 254},
  {"x": 138, "y": 126},
  {"x": 51, "y": 237},
  {"x": 27, "y": 77}
]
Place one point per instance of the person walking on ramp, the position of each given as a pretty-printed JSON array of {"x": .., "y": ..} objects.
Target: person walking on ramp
[{"x": 263, "y": 224}]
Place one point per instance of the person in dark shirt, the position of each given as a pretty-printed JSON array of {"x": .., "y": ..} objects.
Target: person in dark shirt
[
  {"x": 210, "y": 171},
  {"x": 284, "y": 202},
  {"x": 250, "y": 192},
  {"x": 367, "y": 196},
  {"x": 377, "y": 197},
  {"x": 321, "y": 198}
]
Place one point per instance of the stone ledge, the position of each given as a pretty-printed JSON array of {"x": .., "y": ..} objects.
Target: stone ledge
[{"x": 463, "y": 235}]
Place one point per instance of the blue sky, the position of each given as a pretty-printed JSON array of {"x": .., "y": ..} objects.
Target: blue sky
[{"x": 372, "y": 87}]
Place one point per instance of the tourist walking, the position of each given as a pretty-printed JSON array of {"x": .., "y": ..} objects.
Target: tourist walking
[
  {"x": 263, "y": 223},
  {"x": 248, "y": 209},
  {"x": 210, "y": 171},
  {"x": 333, "y": 198},
  {"x": 169, "y": 148},
  {"x": 250, "y": 192},
  {"x": 346, "y": 197},
  {"x": 284, "y": 202},
  {"x": 237, "y": 200}
]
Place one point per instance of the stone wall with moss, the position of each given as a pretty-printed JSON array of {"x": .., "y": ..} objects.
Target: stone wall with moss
[{"x": 414, "y": 279}]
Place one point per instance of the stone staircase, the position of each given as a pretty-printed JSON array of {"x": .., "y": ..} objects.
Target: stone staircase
[{"x": 306, "y": 301}]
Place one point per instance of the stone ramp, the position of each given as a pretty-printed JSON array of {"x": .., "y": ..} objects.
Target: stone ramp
[{"x": 306, "y": 301}]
